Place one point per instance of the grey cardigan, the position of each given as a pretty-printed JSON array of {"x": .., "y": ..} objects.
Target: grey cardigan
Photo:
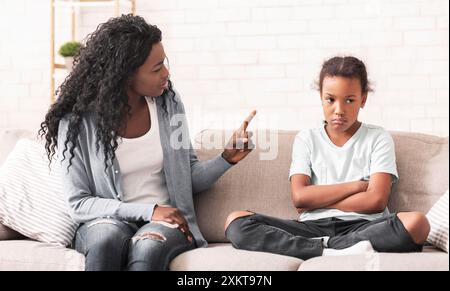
[{"x": 93, "y": 193}]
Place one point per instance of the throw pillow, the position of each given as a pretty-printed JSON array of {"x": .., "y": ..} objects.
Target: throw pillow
[
  {"x": 438, "y": 218},
  {"x": 31, "y": 196}
]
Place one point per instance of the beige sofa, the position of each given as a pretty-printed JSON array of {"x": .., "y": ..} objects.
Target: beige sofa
[{"x": 263, "y": 186}]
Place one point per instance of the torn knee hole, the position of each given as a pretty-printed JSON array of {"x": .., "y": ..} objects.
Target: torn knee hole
[
  {"x": 102, "y": 221},
  {"x": 150, "y": 235}
]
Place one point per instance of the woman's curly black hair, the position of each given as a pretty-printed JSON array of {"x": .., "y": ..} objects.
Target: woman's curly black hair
[{"x": 97, "y": 85}]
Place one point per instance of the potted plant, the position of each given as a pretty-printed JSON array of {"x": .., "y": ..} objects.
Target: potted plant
[{"x": 68, "y": 50}]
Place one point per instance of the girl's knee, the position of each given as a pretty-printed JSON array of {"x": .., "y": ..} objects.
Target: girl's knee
[
  {"x": 235, "y": 215},
  {"x": 234, "y": 230},
  {"x": 417, "y": 225}
]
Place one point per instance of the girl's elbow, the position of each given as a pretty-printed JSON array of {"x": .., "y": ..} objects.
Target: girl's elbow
[
  {"x": 380, "y": 204},
  {"x": 299, "y": 200}
]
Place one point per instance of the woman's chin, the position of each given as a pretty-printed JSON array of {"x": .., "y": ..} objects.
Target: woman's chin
[
  {"x": 157, "y": 93},
  {"x": 162, "y": 92}
]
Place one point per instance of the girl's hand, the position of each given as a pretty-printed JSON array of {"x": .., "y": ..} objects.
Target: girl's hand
[
  {"x": 362, "y": 186},
  {"x": 174, "y": 217},
  {"x": 240, "y": 144}
]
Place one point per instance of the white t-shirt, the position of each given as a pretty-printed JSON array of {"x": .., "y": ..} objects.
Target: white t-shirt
[
  {"x": 370, "y": 150},
  {"x": 141, "y": 164}
]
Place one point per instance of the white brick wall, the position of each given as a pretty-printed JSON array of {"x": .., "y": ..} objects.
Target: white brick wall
[
  {"x": 25, "y": 61},
  {"x": 231, "y": 56}
]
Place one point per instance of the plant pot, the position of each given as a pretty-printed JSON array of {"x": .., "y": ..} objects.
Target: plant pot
[{"x": 69, "y": 63}]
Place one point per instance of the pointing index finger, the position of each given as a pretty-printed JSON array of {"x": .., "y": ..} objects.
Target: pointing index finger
[{"x": 247, "y": 121}]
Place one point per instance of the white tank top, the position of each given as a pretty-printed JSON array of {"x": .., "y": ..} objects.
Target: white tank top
[{"x": 141, "y": 164}]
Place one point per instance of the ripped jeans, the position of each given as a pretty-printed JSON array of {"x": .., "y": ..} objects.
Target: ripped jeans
[{"x": 113, "y": 245}]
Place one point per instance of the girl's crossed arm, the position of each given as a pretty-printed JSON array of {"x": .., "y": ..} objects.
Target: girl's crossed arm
[
  {"x": 359, "y": 196},
  {"x": 373, "y": 200},
  {"x": 307, "y": 196}
]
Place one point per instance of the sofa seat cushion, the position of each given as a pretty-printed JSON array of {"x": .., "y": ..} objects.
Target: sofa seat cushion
[
  {"x": 28, "y": 255},
  {"x": 431, "y": 259},
  {"x": 223, "y": 257}
]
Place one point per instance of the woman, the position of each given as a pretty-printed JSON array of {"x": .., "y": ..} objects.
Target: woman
[{"x": 128, "y": 184}]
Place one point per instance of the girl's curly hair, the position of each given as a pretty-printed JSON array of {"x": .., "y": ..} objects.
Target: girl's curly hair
[{"x": 97, "y": 85}]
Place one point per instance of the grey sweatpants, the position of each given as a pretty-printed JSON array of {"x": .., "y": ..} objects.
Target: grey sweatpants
[{"x": 302, "y": 239}]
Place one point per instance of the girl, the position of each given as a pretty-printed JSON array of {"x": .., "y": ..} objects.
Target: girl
[
  {"x": 341, "y": 177},
  {"x": 128, "y": 185}
]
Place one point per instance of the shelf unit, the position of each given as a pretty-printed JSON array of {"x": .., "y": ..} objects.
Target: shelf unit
[{"x": 72, "y": 5}]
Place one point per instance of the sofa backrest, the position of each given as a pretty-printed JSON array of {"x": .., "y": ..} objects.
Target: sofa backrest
[
  {"x": 263, "y": 186},
  {"x": 422, "y": 164},
  {"x": 257, "y": 185}
]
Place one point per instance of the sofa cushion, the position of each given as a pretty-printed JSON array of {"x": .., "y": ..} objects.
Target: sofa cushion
[
  {"x": 27, "y": 255},
  {"x": 254, "y": 184},
  {"x": 423, "y": 167},
  {"x": 263, "y": 186},
  {"x": 8, "y": 139},
  {"x": 31, "y": 195},
  {"x": 7, "y": 233},
  {"x": 429, "y": 260},
  {"x": 223, "y": 257},
  {"x": 438, "y": 218}
]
